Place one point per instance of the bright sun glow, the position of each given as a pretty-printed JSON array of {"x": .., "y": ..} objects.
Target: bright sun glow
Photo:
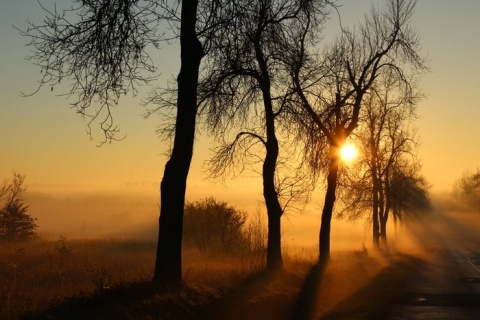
[{"x": 348, "y": 152}]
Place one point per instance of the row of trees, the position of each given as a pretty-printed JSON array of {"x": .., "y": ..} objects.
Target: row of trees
[
  {"x": 387, "y": 178},
  {"x": 254, "y": 73}
]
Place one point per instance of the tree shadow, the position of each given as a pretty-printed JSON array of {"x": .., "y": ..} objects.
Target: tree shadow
[
  {"x": 266, "y": 295},
  {"x": 133, "y": 301},
  {"x": 376, "y": 299},
  {"x": 305, "y": 305}
]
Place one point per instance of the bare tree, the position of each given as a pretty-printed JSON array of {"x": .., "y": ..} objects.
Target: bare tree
[
  {"x": 387, "y": 146},
  {"x": 246, "y": 92},
  {"x": 101, "y": 48},
  {"x": 332, "y": 88}
]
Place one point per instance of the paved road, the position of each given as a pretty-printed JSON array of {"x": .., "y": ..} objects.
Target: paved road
[{"x": 448, "y": 284}]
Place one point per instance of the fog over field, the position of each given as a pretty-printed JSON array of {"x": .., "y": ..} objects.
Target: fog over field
[{"x": 135, "y": 216}]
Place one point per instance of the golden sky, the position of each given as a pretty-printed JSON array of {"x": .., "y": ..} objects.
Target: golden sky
[{"x": 43, "y": 138}]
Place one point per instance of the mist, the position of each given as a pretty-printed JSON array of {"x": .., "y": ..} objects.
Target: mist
[{"x": 94, "y": 214}]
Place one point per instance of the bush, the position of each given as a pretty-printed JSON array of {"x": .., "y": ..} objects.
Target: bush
[
  {"x": 15, "y": 222},
  {"x": 467, "y": 190},
  {"x": 211, "y": 225}
]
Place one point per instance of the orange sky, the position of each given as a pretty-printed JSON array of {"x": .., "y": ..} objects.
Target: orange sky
[{"x": 44, "y": 139}]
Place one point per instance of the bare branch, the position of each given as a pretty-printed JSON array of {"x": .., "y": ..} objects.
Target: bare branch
[{"x": 99, "y": 48}]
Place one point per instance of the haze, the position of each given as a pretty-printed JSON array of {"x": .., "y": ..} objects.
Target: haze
[{"x": 77, "y": 189}]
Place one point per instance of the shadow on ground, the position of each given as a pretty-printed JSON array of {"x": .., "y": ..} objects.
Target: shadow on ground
[
  {"x": 309, "y": 292},
  {"x": 375, "y": 300}
]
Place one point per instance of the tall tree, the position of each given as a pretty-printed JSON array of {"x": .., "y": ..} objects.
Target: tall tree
[
  {"x": 247, "y": 91},
  {"x": 331, "y": 89},
  {"x": 168, "y": 262},
  {"x": 101, "y": 47},
  {"x": 387, "y": 147}
]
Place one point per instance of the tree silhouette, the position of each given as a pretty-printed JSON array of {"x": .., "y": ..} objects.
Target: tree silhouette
[
  {"x": 466, "y": 190},
  {"x": 387, "y": 145},
  {"x": 408, "y": 194},
  {"x": 213, "y": 225},
  {"x": 332, "y": 88},
  {"x": 246, "y": 92},
  {"x": 101, "y": 48},
  {"x": 15, "y": 222}
]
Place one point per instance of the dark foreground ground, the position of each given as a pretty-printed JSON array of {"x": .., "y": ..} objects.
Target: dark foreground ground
[
  {"x": 310, "y": 293},
  {"x": 439, "y": 279}
]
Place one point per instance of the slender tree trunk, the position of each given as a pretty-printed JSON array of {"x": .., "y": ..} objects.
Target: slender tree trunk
[
  {"x": 375, "y": 224},
  {"x": 324, "y": 238},
  {"x": 383, "y": 232},
  {"x": 375, "y": 194},
  {"x": 168, "y": 264},
  {"x": 386, "y": 212},
  {"x": 383, "y": 225},
  {"x": 395, "y": 222}
]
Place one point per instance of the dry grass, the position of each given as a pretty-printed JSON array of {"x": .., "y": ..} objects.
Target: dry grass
[
  {"x": 98, "y": 279},
  {"x": 37, "y": 274}
]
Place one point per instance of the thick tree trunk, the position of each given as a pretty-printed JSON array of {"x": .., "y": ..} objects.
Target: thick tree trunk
[
  {"x": 324, "y": 238},
  {"x": 274, "y": 210},
  {"x": 274, "y": 248},
  {"x": 168, "y": 264}
]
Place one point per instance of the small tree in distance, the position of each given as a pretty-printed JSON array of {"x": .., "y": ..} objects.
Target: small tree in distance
[
  {"x": 15, "y": 222},
  {"x": 466, "y": 190}
]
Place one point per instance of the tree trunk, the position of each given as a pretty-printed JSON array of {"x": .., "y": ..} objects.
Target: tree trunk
[
  {"x": 383, "y": 225},
  {"x": 168, "y": 264},
  {"x": 324, "y": 238},
  {"x": 383, "y": 232},
  {"x": 376, "y": 189},
  {"x": 274, "y": 247},
  {"x": 375, "y": 225},
  {"x": 395, "y": 222},
  {"x": 274, "y": 210}
]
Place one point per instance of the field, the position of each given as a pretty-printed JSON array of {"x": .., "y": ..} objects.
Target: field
[{"x": 100, "y": 279}]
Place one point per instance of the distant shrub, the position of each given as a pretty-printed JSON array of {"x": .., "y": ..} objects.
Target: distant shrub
[
  {"x": 213, "y": 225},
  {"x": 15, "y": 222},
  {"x": 466, "y": 190}
]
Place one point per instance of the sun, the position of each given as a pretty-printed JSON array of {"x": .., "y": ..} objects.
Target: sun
[{"x": 348, "y": 152}]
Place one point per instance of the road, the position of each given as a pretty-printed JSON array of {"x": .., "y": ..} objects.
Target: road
[{"x": 447, "y": 285}]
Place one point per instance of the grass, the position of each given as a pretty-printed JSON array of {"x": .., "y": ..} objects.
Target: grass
[
  {"x": 100, "y": 279},
  {"x": 40, "y": 273}
]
